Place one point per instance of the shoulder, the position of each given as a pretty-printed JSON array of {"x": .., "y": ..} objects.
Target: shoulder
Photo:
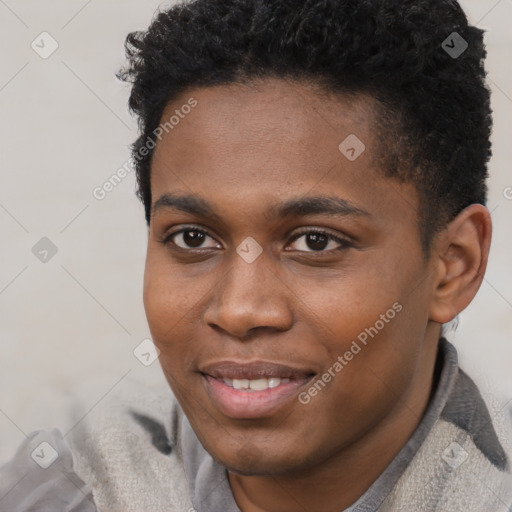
[
  {"x": 120, "y": 455},
  {"x": 464, "y": 463},
  {"x": 41, "y": 477},
  {"x": 126, "y": 450}
]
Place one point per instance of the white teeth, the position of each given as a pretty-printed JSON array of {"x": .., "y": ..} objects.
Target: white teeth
[
  {"x": 274, "y": 382},
  {"x": 240, "y": 383},
  {"x": 258, "y": 384},
  {"x": 255, "y": 384}
]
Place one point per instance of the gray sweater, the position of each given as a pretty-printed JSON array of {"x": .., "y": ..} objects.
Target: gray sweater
[{"x": 137, "y": 452}]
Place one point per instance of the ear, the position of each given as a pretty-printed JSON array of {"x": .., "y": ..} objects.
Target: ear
[{"x": 460, "y": 254}]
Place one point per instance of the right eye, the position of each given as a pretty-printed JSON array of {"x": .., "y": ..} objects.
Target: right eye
[{"x": 191, "y": 238}]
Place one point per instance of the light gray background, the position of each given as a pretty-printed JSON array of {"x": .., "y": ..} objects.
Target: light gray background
[{"x": 69, "y": 326}]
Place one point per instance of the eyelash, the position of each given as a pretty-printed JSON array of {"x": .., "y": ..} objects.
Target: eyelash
[{"x": 344, "y": 243}]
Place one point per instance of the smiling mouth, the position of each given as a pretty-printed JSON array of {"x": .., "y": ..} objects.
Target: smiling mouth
[
  {"x": 253, "y": 390},
  {"x": 256, "y": 375}
]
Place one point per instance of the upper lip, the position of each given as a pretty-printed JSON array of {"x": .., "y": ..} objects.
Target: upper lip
[{"x": 253, "y": 370}]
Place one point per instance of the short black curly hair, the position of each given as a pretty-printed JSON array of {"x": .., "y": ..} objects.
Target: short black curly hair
[{"x": 433, "y": 104}]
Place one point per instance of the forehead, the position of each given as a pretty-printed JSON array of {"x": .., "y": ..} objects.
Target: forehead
[
  {"x": 274, "y": 112},
  {"x": 268, "y": 141}
]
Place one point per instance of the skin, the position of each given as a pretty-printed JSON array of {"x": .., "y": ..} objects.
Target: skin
[{"x": 243, "y": 149}]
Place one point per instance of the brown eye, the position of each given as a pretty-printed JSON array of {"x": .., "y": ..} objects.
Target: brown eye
[
  {"x": 191, "y": 239},
  {"x": 318, "y": 241}
]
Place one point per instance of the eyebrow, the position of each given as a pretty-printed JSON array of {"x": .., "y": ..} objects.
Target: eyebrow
[{"x": 297, "y": 207}]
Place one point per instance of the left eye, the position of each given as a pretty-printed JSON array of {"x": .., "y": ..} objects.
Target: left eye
[{"x": 316, "y": 241}]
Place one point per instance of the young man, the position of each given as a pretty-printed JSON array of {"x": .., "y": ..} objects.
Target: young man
[{"x": 313, "y": 176}]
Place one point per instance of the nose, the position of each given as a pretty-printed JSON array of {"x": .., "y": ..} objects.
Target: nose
[{"x": 250, "y": 298}]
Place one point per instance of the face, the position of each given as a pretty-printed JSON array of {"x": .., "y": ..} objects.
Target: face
[{"x": 285, "y": 284}]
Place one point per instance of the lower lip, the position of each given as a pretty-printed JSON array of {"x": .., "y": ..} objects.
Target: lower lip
[{"x": 236, "y": 403}]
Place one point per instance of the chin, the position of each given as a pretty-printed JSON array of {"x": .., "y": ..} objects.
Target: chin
[{"x": 253, "y": 461}]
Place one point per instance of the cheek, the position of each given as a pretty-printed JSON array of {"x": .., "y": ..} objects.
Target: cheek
[
  {"x": 157, "y": 303},
  {"x": 165, "y": 307},
  {"x": 341, "y": 309},
  {"x": 165, "y": 319},
  {"x": 362, "y": 388},
  {"x": 378, "y": 297},
  {"x": 376, "y": 329},
  {"x": 167, "y": 298},
  {"x": 172, "y": 303}
]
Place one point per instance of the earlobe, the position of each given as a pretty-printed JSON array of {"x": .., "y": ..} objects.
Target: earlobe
[{"x": 461, "y": 252}]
